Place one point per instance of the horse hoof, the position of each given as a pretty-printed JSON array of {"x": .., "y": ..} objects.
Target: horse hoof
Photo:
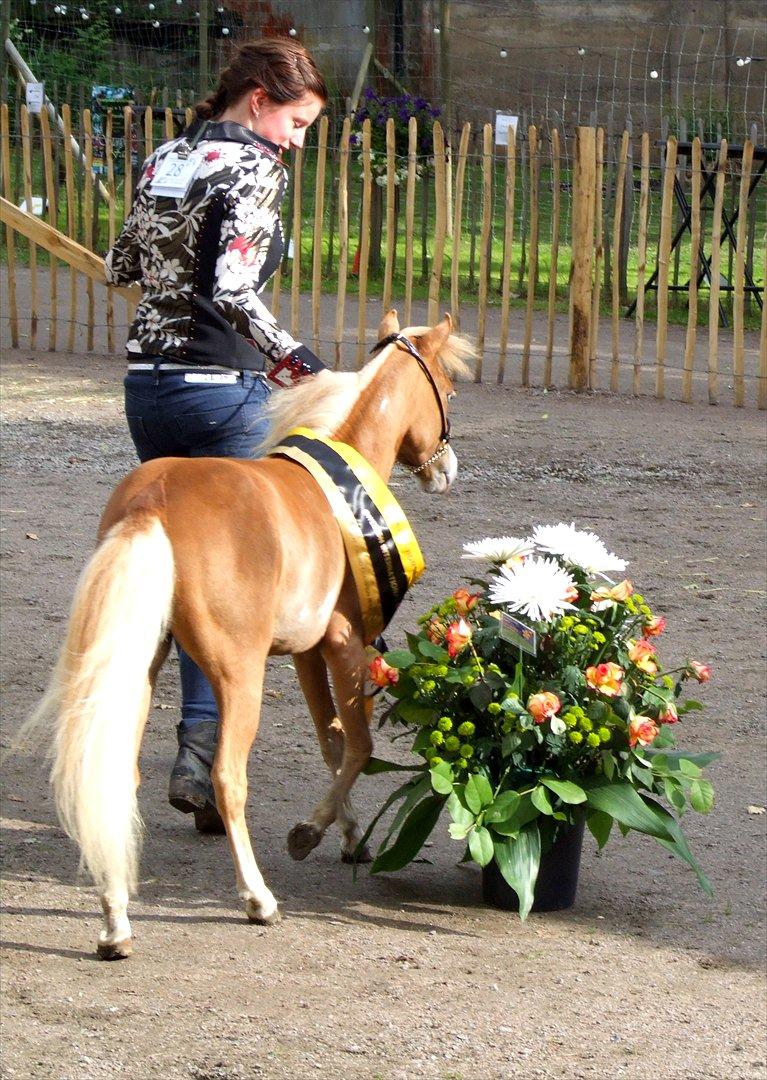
[
  {"x": 357, "y": 855},
  {"x": 253, "y": 911},
  {"x": 115, "y": 950},
  {"x": 302, "y": 838}
]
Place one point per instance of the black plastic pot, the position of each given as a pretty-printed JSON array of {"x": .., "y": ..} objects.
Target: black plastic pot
[{"x": 557, "y": 877}]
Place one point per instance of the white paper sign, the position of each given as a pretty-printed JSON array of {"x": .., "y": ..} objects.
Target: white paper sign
[
  {"x": 504, "y": 121},
  {"x": 35, "y": 96},
  {"x": 174, "y": 175}
]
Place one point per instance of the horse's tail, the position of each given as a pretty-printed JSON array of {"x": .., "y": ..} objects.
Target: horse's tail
[{"x": 98, "y": 695}]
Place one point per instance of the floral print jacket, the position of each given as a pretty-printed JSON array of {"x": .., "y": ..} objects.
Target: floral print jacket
[{"x": 203, "y": 259}]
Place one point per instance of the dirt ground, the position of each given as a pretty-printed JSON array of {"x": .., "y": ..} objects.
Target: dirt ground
[{"x": 405, "y": 975}]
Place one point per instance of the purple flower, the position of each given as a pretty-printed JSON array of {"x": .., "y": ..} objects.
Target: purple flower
[{"x": 368, "y": 94}]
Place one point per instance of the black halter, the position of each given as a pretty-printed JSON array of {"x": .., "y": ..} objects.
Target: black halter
[{"x": 444, "y": 438}]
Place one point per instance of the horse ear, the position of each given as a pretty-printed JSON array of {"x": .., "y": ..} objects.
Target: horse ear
[
  {"x": 433, "y": 340},
  {"x": 389, "y": 324}
]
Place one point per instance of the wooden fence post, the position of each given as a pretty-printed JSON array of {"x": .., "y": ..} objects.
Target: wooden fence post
[
  {"x": 740, "y": 264},
  {"x": 508, "y": 248},
  {"x": 554, "y": 260},
  {"x": 88, "y": 220},
  {"x": 644, "y": 199},
  {"x": 343, "y": 236},
  {"x": 440, "y": 223},
  {"x": 599, "y": 244},
  {"x": 484, "y": 270},
  {"x": 455, "y": 256},
  {"x": 692, "y": 295},
  {"x": 713, "y": 298},
  {"x": 319, "y": 213},
  {"x": 617, "y": 259},
  {"x": 664, "y": 249},
  {"x": 26, "y": 153},
  {"x": 584, "y": 173}
]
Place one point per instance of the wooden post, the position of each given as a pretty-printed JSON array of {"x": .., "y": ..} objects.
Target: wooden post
[
  {"x": 599, "y": 234},
  {"x": 5, "y": 139},
  {"x": 644, "y": 198},
  {"x": 412, "y": 146},
  {"x": 762, "y": 380},
  {"x": 532, "y": 137},
  {"x": 169, "y": 124},
  {"x": 440, "y": 223},
  {"x": 620, "y": 188},
  {"x": 740, "y": 263},
  {"x": 367, "y": 181},
  {"x": 295, "y": 279},
  {"x": 554, "y": 260},
  {"x": 148, "y": 132},
  {"x": 111, "y": 221},
  {"x": 664, "y": 250},
  {"x": 69, "y": 176},
  {"x": 391, "y": 172},
  {"x": 26, "y": 153},
  {"x": 50, "y": 195},
  {"x": 343, "y": 236},
  {"x": 319, "y": 214},
  {"x": 508, "y": 248},
  {"x": 692, "y": 295},
  {"x": 455, "y": 256},
  {"x": 713, "y": 298},
  {"x": 130, "y": 306},
  {"x": 584, "y": 171},
  {"x": 88, "y": 218},
  {"x": 487, "y": 208}
]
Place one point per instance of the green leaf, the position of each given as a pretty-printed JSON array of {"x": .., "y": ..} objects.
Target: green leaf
[
  {"x": 689, "y": 706},
  {"x": 480, "y": 696},
  {"x": 442, "y": 778},
  {"x": 420, "y": 790},
  {"x": 624, "y": 803},
  {"x": 481, "y": 845},
  {"x": 599, "y": 825},
  {"x": 541, "y": 800},
  {"x": 413, "y": 833},
  {"x": 460, "y": 814},
  {"x": 565, "y": 789},
  {"x": 434, "y": 652},
  {"x": 701, "y": 795},
  {"x": 400, "y": 793},
  {"x": 608, "y": 764},
  {"x": 688, "y": 767},
  {"x": 413, "y": 713},
  {"x": 518, "y": 860},
  {"x": 460, "y": 832},
  {"x": 378, "y": 765},
  {"x": 672, "y": 758},
  {"x": 524, "y": 813},
  {"x": 478, "y": 793},
  {"x": 674, "y": 793},
  {"x": 678, "y": 846},
  {"x": 399, "y": 658},
  {"x": 503, "y": 807}
]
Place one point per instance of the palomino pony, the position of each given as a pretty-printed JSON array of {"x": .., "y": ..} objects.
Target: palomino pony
[{"x": 237, "y": 560}]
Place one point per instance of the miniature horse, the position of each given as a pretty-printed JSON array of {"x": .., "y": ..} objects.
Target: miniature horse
[{"x": 237, "y": 560}]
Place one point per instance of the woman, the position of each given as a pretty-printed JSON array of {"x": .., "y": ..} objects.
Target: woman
[{"x": 203, "y": 238}]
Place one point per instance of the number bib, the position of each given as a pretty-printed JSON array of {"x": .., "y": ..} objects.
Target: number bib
[{"x": 174, "y": 175}]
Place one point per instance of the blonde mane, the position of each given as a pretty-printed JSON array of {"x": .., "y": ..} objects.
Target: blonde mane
[{"x": 324, "y": 401}]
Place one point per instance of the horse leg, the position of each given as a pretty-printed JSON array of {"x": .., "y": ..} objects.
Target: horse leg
[
  {"x": 240, "y": 706},
  {"x": 344, "y": 653},
  {"x": 313, "y": 677}
]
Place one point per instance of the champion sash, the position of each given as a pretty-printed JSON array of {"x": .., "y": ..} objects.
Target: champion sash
[{"x": 382, "y": 550}]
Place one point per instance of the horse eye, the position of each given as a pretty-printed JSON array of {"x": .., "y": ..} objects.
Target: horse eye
[{"x": 452, "y": 394}]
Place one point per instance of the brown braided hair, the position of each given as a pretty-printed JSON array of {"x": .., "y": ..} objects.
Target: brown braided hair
[{"x": 281, "y": 67}]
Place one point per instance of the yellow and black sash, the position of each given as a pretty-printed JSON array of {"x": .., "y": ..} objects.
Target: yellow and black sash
[{"x": 382, "y": 550}]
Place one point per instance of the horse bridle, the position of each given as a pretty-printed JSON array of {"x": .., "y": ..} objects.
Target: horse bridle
[{"x": 444, "y": 439}]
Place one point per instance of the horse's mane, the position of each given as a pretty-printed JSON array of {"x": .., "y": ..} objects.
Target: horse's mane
[{"x": 324, "y": 401}]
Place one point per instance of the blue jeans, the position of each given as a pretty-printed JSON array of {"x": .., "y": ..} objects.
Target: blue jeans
[{"x": 171, "y": 415}]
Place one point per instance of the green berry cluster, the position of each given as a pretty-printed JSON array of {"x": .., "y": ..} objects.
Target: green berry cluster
[
  {"x": 581, "y": 728},
  {"x": 636, "y": 605}
]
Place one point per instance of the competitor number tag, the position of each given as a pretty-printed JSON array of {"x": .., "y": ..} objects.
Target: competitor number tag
[
  {"x": 174, "y": 174},
  {"x": 518, "y": 633}
]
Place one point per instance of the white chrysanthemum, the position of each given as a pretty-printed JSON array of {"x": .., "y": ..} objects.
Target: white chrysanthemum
[
  {"x": 578, "y": 547},
  {"x": 538, "y": 588},
  {"x": 498, "y": 549}
]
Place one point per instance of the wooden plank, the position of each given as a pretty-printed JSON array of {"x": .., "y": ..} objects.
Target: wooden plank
[
  {"x": 319, "y": 214},
  {"x": 620, "y": 188},
  {"x": 367, "y": 185},
  {"x": 584, "y": 172},
  {"x": 508, "y": 249},
  {"x": 130, "y": 306},
  {"x": 761, "y": 392},
  {"x": 713, "y": 298},
  {"x": 88, "y": 219},
  {"x": 599, "y": 233},
  {"x": 664, "y": 250},
  {"x": 692, "y": 293},
  {"x": 26, "y": 154},
  {"x": 644, "y": 199},
  {"x": 412, "y": 147},
  {"x": 554, "y": 261},
  {"x": 109, "y": 159},
  {"x": 455, "y": 253},
  {"x": 532, "y": 137},
  {"x": 440, "y": 224},
  {"x": 148, "y": 132},
  {"x": 295, "y": 279},
  {"x": 69, "y": 180},
  {"x": 391, "y": 191},
  {"x": 740, "y": 280},
  {"x": 487, "y": 214},
  {"x": 50, "y": 195},
  {"x": 343, "y": 236},
  {"x": 5, "y": 141},
  {"x": 169, "y": 134}
]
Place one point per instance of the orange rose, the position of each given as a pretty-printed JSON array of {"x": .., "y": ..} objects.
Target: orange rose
[
  {"x": 457, "y": 637},
  {"x": 642, "y": 730},
  {"x": 381, "y": 673},
  {"x": 670, "y": 716},
  {"x": 702, "y": 672},
  {"x": 642, "y": 654},
  {"x": 465, "y": 601},
  {"x": 543, "y": 706},
  {"x": 435, "y": 631},
  {"x": 653, "y": 627},
  {"x": 603, "y": 596},
  {"x": 572, "y": 594},
  {"x": 606, "y": 678}
]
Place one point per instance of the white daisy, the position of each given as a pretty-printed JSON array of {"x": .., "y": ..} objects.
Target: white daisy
[
  {"x": 538, "y": 588},
  {"x": 497, "y": 549},
  {"x": 580, "y": 548}
]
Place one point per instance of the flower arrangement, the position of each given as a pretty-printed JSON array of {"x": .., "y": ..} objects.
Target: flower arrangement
[
  {"x": 379, "y": 110},
  {"x": 535, "y": 697}
]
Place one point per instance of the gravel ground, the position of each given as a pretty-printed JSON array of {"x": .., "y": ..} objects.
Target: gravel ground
[{"x": 403, "y": 975}]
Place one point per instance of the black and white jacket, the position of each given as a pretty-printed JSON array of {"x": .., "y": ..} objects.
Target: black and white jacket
[{"x": 203, "y": 259}]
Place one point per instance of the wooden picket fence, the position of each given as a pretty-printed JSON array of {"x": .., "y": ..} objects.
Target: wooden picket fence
[{"x": 501, "y": 225}]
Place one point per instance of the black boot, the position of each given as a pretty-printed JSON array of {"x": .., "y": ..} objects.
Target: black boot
[{"x": 190, "y": 789}]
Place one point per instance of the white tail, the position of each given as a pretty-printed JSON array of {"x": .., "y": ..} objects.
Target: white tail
[{"x": 99, "y": 695}]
